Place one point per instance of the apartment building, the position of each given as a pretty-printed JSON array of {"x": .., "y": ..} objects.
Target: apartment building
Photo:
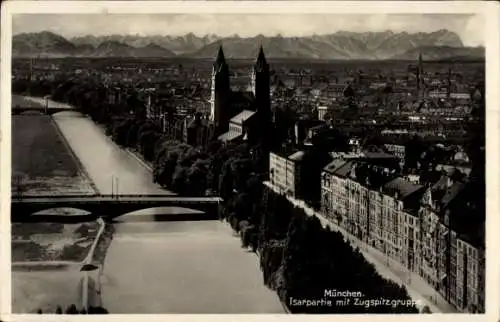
[
  {"x": 396, "y": 149},
  {"x": 418, "y": 226},
  {"x": 334, "y": 202},
  {"x": 285, "y": 171},
  {"x": 452, "y": 246},
  {"x": 470, "y": 277},
  {"x": 322, "y": 110}
]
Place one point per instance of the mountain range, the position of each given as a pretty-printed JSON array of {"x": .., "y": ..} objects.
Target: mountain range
[{"x": 441, "y": 44}]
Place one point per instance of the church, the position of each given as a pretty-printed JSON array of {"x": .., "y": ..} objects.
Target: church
[
  {"x": 235, "y": 115},
  {"x": 240, "y": 115}
]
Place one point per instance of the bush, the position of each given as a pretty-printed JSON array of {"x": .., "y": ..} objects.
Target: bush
[
  {"x": 426, "y": 310},
  {"x": 71, "y": 309}
]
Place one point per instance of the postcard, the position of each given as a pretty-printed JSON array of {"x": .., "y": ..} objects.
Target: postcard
[{"x": 264, "y": 159}]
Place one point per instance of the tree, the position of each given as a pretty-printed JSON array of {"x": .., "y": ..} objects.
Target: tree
[
  {"x": 132, "y": 135},
  {"x": 426, "y": 310},
  {"x": 147, "y": 143},
  {"x": 249, "y": 237},
  {"x": 71, "y": 309},
  {"x": 120, "y": 128},
  {"x": 226, "y": 181},
  {"x": 179, "y": 179},
  {"x": 197, "y": 177}
]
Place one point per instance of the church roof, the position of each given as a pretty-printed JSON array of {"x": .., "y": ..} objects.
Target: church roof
[
  {"x": 242, "y": 97},
  {"x": 297, "y": 156},
  {"x": 220, "y": 61},
  {"x": 242, "y": 117},
  {"x": 261, "y": 63}
]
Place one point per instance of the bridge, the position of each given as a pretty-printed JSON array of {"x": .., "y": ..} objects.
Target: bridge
[
  {"x": 49, "y": 110},
  {"x": 43, "y": 105},
  {"x": 109, "y": 206}
]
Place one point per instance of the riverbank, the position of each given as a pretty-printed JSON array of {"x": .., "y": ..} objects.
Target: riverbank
[
  {"x": 44, "y": 241},
  {"x": 42, "y": 161},
  {"x": 182, "y": 263},
  {"x": 48, "y": 273}
]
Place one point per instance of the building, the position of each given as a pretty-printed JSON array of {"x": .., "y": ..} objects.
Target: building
[
  {"x": 334, "y": 201},
  {"x": 233, "y": 114},
  {"x": 396, "y": 149},
  {"x": 334, "y": 92},
  {"x": 400, "y": 204},
  {"x": 322, "y": 110},
  {"x": 453, "y": 245},
  {"x": 195, "y": 131},
  {"x": 285, "y": 171},
  {"x": 430, "y": 229}
]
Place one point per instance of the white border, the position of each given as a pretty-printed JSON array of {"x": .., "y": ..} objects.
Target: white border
[{"x": 490, "y": 11}]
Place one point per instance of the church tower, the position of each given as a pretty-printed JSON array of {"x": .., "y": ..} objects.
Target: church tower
[
  {"x": 261, "y": 88},
  {"x": 420, "y": 76},
  {"x": 221, "y": 91},
  {"x": 420, "y": 64}
]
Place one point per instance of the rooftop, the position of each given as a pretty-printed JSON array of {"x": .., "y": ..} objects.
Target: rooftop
[
  {"x": 451, "y": 193},
  {"x": 362, "y": 155},
  {"x": 297, "y": 156},
  {"x": 402, "y": 187},
  {"x": 344, "y": 169},
  {"x": 243, "y": 116},
  {"x": 334, "y": 165},
  {"x": 229, "y": 136}
]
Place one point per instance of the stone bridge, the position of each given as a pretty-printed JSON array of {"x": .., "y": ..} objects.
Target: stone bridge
[
  {"x": 110, "y": 206},
  {"x": 16, "y": 110}
]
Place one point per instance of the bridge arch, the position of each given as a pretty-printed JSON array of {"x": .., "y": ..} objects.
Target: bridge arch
[
  {"x": 112, "y": 208},
  {"x": 40, "y": 109},
  {"x": 52, "y": 111},
  {"x": 55, "y": 214},
  {"x": 29, "y": 111},
  {"x": 62, "y": 211},
  {"x": 165, "y": 213}
]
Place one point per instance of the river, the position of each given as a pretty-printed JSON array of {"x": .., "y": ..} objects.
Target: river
[{"x": 164, "y": 267}]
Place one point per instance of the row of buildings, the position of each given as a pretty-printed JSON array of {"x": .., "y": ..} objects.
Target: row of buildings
[{"x": 428, "y": 225}]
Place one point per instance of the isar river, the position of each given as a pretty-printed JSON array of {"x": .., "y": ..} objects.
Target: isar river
[{"x": 164, "y": 266}]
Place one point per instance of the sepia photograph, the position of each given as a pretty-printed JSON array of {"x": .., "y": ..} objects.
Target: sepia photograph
[{"x": 248, "y": 163}]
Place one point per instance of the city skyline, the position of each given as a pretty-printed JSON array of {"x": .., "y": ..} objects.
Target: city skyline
[{"x": 469, "y": 27}]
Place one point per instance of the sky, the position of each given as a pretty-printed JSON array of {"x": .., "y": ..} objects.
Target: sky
[{"x": 469, "y": 27}]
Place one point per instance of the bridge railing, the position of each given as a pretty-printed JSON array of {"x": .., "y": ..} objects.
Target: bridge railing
[
  {"x": 113, "y": 196},
  {"x": 105, "y": 196}
]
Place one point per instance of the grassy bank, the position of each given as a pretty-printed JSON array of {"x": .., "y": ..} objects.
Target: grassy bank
[
  {"x": 41, "y": 161},
  {"x": 52, "y": 241},
  {"x": 38, "y": 150}
]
